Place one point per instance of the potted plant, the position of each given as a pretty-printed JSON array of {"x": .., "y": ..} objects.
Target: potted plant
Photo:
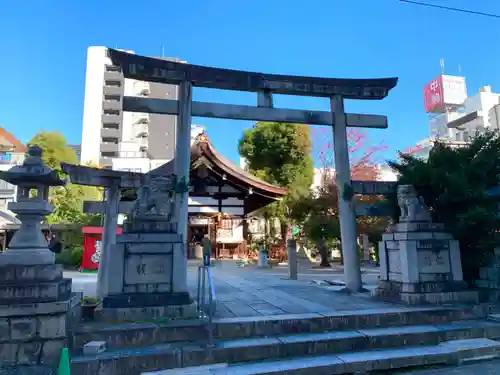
[{"x": 88, "y": 305}]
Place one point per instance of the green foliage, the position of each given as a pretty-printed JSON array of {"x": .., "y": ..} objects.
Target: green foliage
[
  {"x": 86, "y": 300},
  {"x": 279, "y": 153},
  {"x": 70, "y": 257},
  {"x": 72, "y": 241},
  {"x": 67, "y": 200},
  {"x": 453, "y": 182},
  {"x": 55, "y": 149}
]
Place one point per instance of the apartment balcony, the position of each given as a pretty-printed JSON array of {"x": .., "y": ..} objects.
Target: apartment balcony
[
  {"x": 141, "y": 130},
  {"x": 113, "y": 75},
  {"x": 11, "y": 158},
  {"x": 142, "y": 88},
  {"x": 140, "y": 118},
  {"x": 112, "y": 104},
  {"x": 6, "y": 187},
  {"x": 111, "y": 119},
  {"x": 113, "y": 90},
  {"x": 110, "y": 133},
  {"x": 143, "y": 144},
  {"x": 109, "y": 147},
  {"x": 106, "y": 162},
  {"x": 132, "y": 154}
]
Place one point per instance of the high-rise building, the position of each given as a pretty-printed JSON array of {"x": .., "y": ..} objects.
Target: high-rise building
[{"x": 123, "y": 141}]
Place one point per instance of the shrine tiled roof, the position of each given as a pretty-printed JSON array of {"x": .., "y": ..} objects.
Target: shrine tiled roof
[{"x": 203, "y": 147}]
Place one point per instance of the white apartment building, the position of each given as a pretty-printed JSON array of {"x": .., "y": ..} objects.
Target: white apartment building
[
  {"x": 479, "y": 112},
  {"x": 128, "y": 141}
]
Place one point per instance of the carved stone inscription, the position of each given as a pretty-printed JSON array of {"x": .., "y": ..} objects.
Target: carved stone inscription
[
  {"x": 434, "y": 261},
  {"x": 148, "y": 269},
  {"x": 435, "y": 245}
]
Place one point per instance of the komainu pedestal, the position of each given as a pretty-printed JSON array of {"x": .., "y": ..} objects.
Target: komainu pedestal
[
  {"x": 419, "y": 262},
  {"x": 142, "y": 283}
]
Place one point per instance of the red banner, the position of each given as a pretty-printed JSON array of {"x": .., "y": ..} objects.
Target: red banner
[
  {"x": 434, "y": 96},
  {"x": 92, "y": 247}
]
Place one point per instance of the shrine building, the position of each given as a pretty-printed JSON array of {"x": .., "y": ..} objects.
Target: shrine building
[{"x": 222, "y": 197}]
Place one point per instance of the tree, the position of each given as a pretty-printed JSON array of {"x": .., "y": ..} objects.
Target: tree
[
  {"x": 55, "y": 149},
  {"x": 453, "y": 183},
  {"x": 279, "y": 153},
  {"x": 319, "y": 211},
  {"x": 67, "y": 200}
]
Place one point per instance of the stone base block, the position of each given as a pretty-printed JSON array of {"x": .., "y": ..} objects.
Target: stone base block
[
  {"x": 42, "y": 273},
  {"x": 423, "y": 287},
  {"x": 14, "y": 256},
  {"x": 420, "y": 294},
  {"x": 21, "y": 293},
  {"x": 133, "y": 300},
  {"x": 32, "y": 335},
  {"x": 137, "y": 314},
  {"x": 27, "y": 370},
  {"x": 465, "y": 296}
]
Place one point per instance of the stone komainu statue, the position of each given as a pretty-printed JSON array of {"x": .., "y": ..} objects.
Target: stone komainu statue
[
  {"x": 155, "y": 197},
  {"x": 413, "y": 207}
]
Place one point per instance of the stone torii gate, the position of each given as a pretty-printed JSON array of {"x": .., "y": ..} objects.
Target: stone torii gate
[{"x": 265, "y": 85}]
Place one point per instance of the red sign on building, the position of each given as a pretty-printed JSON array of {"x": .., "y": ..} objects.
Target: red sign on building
[
  {"x": 92, "y": 237},
  {"x": 434, "y": 96}
]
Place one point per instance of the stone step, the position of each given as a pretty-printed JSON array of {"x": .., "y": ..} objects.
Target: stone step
[
  {"x": 137, "y": 335},
  {"x": 133, "y": 361},
  {"x": 450, "y": 352}
]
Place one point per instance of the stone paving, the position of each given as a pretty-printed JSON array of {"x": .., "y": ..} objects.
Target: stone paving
[{"x": 249, "y": 291}]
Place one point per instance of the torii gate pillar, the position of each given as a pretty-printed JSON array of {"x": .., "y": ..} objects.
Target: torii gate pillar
[
  {"x": 182, "y": 165},
  {"x": 347, "y": 214}
]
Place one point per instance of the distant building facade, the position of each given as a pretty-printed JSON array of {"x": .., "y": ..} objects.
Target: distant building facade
[
  {"x": 12, "y": 152},
  {"x": 78, "y": 151}
]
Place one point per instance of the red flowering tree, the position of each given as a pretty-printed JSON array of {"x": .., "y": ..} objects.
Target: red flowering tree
[{"x": 319, "y": 212}]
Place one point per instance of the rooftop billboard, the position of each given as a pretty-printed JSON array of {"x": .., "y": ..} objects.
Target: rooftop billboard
[{"x": 444, "y": 91}]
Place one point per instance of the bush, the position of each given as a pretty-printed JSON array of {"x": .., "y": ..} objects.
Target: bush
[
  {"x": 71, "y": 256},
  {"x": 453, "y": 183}
]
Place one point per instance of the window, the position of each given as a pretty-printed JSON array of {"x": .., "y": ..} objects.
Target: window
[{"x": 115, "y": 112}]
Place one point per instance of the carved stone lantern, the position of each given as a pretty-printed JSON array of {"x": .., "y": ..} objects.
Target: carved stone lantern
[{"x": 33, "y": 180}]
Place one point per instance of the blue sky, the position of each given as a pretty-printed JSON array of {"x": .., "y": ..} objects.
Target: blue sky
[{"x": 43, "y": 50}]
